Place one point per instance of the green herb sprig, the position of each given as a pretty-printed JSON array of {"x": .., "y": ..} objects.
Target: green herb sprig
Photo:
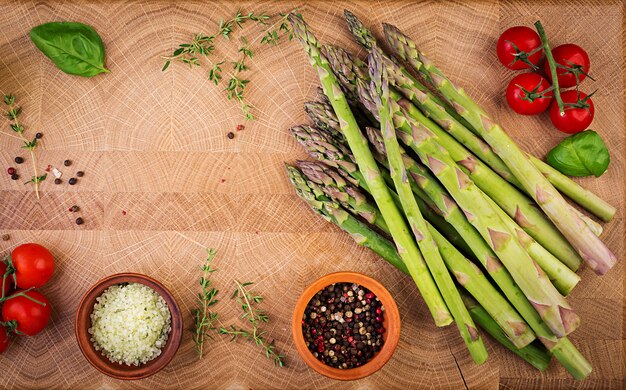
[
  {"x": 249, "y": 301},
  {"x": 13, "y": 112},
  {"x": 203, "y": 45},
  {"x": 204, "y": 318}
]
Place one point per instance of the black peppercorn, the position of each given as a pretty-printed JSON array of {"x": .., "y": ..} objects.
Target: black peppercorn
[
  {"x": 74, "y": 209},
  {"x": 80, "y": 173},
  {"x": 39, "y": 135},
  {"x": 72, "y": 181},
  {"x": 19, "y": 160},
  {"x": 230, "y": 135},
  {"x": 15, "y": 176},
  {"x": 58, "y": 181},
  {"x": 79, "y": 221},
  {"x": 67, "y": 163}
]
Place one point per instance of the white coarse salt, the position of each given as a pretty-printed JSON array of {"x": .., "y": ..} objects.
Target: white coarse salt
[{"x": 130, "y": 323}]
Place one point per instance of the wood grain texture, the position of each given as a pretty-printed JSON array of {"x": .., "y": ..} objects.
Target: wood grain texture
[{"x": 153, "y": 145}]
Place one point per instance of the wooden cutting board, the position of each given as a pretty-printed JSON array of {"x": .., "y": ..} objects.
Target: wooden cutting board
[{"x": 163, "y": 182}]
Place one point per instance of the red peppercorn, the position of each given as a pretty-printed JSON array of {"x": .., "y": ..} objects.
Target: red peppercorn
[
  {"x": 240, "y": 127},
  {"x": 379, "y": 319},
  {"x": 350, "y": 339},
  {"x": 11, "y": 170},
  {"x": 380, "y": 330},
  {"x": 369, "y": 295},
  {"x": 378, "y": 310},
  {"x": 313, "y": 331}
]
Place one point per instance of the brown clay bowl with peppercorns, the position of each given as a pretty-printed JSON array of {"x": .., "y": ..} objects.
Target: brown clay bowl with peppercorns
[{"x": 390, "y": 323}]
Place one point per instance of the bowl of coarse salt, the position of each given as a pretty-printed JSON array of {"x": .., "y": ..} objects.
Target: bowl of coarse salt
[{"x": 128, "y": 326}]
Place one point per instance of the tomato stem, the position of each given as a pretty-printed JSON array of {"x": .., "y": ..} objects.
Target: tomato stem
[
  {"x": 23, "y": 294},
  {"x": 11, "y": 326},
  {"x": 523, "y": 56},
  {"x": 552, "y": 64},
  {"x": 4, "y": 281}
]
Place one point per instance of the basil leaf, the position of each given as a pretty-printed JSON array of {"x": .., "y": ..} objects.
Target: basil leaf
[
  {"x": 581, "y": 154},
  {"x": 75, "y": 48}
]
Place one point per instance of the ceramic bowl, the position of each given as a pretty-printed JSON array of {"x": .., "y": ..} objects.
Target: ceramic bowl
[
  {"x": 101, "y": 362},
  {"x": 391, "y": 322}
]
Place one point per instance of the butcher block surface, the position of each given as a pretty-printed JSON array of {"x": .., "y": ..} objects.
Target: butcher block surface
[{"x": 163, "y": 182}]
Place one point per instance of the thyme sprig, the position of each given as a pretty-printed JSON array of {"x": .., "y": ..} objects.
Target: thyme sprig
[
  {"x": 256, "y": 316},
  {"x": 204, "y": 318},
  {"x": 203, "y": 45},
  {"x": 13, "y": 112}
]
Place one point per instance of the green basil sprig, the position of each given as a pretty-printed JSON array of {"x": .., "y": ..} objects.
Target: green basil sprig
[
  {"x": 75, "y": 48},
  {"x": 581, "y": 154}
]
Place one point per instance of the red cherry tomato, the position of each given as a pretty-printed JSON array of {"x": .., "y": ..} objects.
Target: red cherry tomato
[
  {"x": 578, "y": 115},
  {"x": 8, "y": 280},
  {"x": 572, "y": 60},
  {"x": 31, "y": 317},
  {"x": 526, "y": 94},
  {"x": 33, "y": 265},
  {"x": 4, "y": 339},
  {"x": 519, "y": 47}
]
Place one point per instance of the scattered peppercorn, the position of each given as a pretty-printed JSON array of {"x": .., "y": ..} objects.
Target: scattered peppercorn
[
  {"x": 80, "y": 173},
  {"x": 72, "y": 181},
  {"x": 79, "y": 221},
  {"x": 19, "y": 160},
  {"x": 58, "y": 181},
  {"x": 240, "y": 127},
  {"x": 74, "y": 209},
  {"x": 15, "y": 176},
  {"x": 6, "y": 237},
  {"x": 343, "y": 325},
  {"x": 67, "y": 163},
  {"x": 39, "y": 135},
  {"x": 11, "y": 170},
  {"x": 230, "y": 135}
]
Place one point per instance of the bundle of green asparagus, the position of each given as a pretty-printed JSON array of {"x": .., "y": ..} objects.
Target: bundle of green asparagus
[{"x": 415, "y": 170}]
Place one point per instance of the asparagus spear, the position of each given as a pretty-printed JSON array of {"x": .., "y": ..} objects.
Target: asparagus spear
[
  {"x": 336, "y": 187},
  {"x": 365, "y": 38},
  {"x": 568, "y": 187},
  {"x": 333, "y": 212},
  {"x": 514, "y": 203},
  {"x": 562, "y": 277},
  {"x": 375, "y": 182},
  {"x": 589, "y": 246},
  {"x": 425, "y": 242},
  {"x": 535, "y": 355},
  {"x": 466, "y": 273}
]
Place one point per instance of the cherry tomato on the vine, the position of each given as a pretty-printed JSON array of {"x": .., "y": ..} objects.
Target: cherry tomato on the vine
[
  {"x": 578, "y": 114},
  {"x": 519, "y": 47},
  {"x": 33, "y": 265},
  {"x": 572, "y": 61},
  {"x": 31, "y": 312},
  {"x": 4, "y": 339},
  {"x": 529, "y": 94}
]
